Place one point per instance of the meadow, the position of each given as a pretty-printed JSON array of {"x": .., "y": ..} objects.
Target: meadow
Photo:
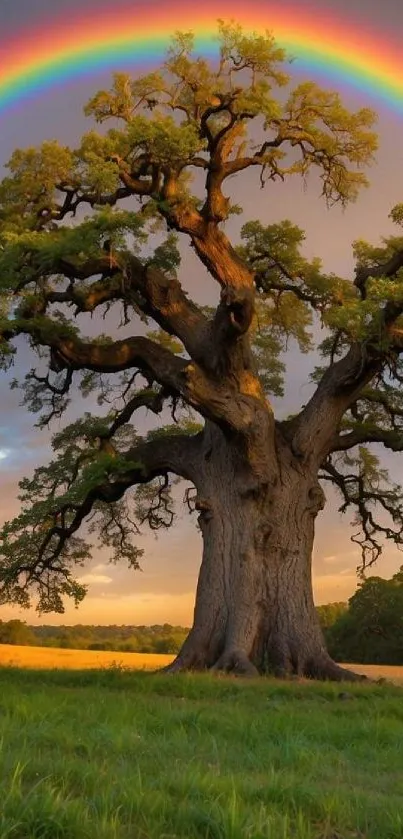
[{"x": 118, "y": 754}]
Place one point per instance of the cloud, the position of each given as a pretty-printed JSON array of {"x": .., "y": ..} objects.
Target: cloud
[
  {"x": 95, "y": 579},
  {"x": 340, "y": 557}
]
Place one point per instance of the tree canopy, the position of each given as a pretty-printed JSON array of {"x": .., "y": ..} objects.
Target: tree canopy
[
  {"x": 371, "y": 629},
  {"x": 100, "y": 230}
]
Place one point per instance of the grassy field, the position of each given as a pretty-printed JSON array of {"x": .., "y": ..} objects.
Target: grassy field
[{"x": 115, "y": 754}]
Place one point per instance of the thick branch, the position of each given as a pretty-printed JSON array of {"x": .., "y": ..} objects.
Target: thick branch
[
  {"x": 134, "y": 183},
  {"x": 232, "y": 167},
  {"x": 126, "y": 278},
  {"x": 231, "y": 404},
  {"x": 221, "y": 145},
  {"x": 386, "y": 269},
  {"x": 134, "y": 180},
  {"x": 179, "y": 212},
  {"x": 221, "y": 260},
  {"x": 75, "y": 197},
  {"x": 359, "y": 492},
  {"x": 392, "y": 440},
  {"x": 344, "y": 381},
  {"x": 313, "y": 431},
  {"x": 154, "y": 361},
  {"x": 176, "y": 453}
]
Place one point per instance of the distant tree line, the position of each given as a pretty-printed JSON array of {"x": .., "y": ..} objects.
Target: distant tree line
[
  {"x": 138, "y": 639},
  {"x": 368, "y": 629}
]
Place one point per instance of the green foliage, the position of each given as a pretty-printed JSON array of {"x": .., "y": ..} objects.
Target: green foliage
[
  {"x": 330, "y": 613},
  {"x": 50, "y": 503},
  {"x": 275, "y": 253},
  {"x": 30, "y": 256},
  {"x": 16, "y": 632},
  {"x": 166, "y": 256},
  {"x": 164, "y": 140},
  {"x": 31, "y": 187},
  {"x": 165, "y": 340},
  {"x": 185, "y": 425},
  {"x": 311, "y": 111},
  {"x": 267, "y": 348},
  {"x": 125, "y": 96},
  {"x": 259, "y": 53},
  {"x": 371, "y": 630},
  {"x": 291, "y": 289}
]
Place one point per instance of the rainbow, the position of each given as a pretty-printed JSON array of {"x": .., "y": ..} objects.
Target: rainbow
[{"x": 61, "y": 50}]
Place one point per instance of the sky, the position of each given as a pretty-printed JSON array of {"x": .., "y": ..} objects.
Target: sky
[{"x": 164, "y": 590}]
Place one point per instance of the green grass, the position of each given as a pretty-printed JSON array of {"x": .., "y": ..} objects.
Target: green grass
[{"x": 120, "y": 755}]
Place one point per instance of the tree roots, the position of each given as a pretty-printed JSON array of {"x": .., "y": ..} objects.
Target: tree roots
[{"x": 237, "y": 663}]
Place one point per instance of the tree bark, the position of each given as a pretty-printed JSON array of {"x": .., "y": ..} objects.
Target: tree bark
[{"x": 254, "y": 610}]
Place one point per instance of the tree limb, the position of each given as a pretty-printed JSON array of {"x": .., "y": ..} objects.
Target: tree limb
[
  {"x": 387, "y": 269},
  {"x": 49, "y": 544},
  {"x": 313, "y": 430},
  {"x": 231, "y": 404},
  {"x": 364, "y": 493},
  {"x": 123, "y": 275},
  {"x": 392, "y": 440}
]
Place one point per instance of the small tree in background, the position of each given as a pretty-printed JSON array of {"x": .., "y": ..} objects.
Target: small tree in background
[
  {"x": 329, "y": 614},
  {"x": 177, "y": 137},
  {"x": 16, "y": 632},
  {"x": 371, "y": 630}
]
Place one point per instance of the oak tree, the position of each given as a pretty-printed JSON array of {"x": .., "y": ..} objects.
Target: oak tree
[{"x": 100, "y": 230}]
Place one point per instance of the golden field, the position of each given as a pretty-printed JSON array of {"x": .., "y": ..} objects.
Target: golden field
[
  {"x": 48, "y": 658},
  {"x": 379, "y": 671}
]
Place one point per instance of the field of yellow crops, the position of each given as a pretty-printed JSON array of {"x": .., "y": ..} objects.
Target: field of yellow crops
[
  {"x": 379, "y": 671},
  {"x": 47, "y": 657}
]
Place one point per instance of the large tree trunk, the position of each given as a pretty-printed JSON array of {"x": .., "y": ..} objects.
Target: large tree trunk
[{"x": 254, "y": 608}]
